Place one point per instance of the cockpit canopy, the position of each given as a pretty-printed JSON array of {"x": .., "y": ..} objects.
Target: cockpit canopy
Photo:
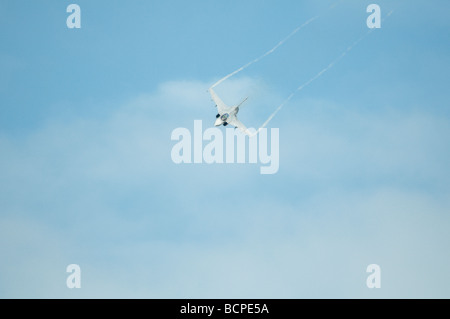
[{"x": 225, "y": 117}]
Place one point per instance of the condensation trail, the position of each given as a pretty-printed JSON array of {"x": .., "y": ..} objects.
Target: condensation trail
[
  {"x": 315, "y": 77},
  {"x": 334, "y": 4},
  {"x": 265, "y": 54}
]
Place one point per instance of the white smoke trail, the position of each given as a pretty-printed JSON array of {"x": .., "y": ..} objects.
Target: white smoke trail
[
  {"x": 265, "y": 54},
  {"x": 334, "y": 4},
  {"x": 315, "y": 77}
]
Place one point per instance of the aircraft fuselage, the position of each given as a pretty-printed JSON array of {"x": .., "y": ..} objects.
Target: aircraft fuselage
[{"x": 221, "y": 119}]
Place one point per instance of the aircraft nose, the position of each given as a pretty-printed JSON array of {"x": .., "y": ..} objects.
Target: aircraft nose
[{"x": 218, "y": 122}]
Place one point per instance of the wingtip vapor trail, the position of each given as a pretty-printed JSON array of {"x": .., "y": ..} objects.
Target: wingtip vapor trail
[
  {"x": 267, "y": 53},
  {"x": 315, "y": 77}
]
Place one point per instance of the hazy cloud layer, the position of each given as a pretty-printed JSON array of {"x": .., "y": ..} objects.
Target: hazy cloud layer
[{"x": 355, "y": 187}]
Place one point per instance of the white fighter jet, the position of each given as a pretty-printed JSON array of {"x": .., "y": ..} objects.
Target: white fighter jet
[{"x": 227, "y": 114}]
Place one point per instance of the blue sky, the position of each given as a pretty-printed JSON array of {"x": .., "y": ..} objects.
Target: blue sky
[{"x": 86, "y": 176}]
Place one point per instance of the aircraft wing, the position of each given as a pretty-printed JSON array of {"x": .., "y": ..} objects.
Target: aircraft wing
[
  {"x": 221, "y": 107},
  {"x": 235, "y": 122}
]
